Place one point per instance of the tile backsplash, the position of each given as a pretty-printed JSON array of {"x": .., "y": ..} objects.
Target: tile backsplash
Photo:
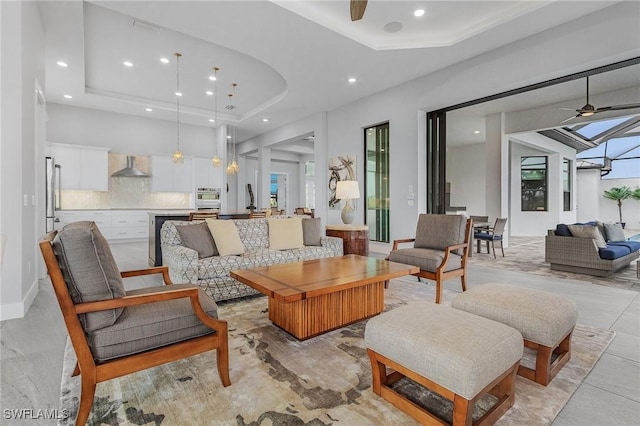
[{"x": 126, "y": 192}]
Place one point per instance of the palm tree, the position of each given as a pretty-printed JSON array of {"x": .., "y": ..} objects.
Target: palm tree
[
  {"x": 619, "y": 194},
  {"x": 635, "y": 194}
]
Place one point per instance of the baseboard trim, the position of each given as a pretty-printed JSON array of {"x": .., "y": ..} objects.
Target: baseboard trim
[{"x": 19, "y": 310}]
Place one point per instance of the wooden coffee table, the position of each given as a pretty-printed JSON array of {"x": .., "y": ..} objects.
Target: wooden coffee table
[{"x": 315, "y": 296}]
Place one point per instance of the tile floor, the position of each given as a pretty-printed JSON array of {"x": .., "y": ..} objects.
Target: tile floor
[{"x": 32, "y": 347}]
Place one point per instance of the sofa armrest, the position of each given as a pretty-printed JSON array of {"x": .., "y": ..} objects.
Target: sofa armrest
[
  {"x": 182, "y": 262},
  {"x": 335, "y": 244},
  {"x": 571, "y": 251}
]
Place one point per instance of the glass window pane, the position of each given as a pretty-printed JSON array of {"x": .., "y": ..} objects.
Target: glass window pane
[{"x": 533, "y": 177}]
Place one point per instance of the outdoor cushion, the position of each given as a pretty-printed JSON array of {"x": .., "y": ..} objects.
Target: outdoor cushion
[
  {"x": 312, "y": 231},
  {"x": 89, "y": 270},
  {"x": 612, "y": 252},
  {"x": 486, "y": 236},
  {"x": 198, "y": 237},
  {"x": 562, "y": 230},
  {"x": 438, "y": 231},
  {"x": 285, "y": 234},
  {"x": 588, "y": 231},
  {"x": 153, "y": 325},
  {"x": 613, "y": 232},
  {"x": 631, "y": 245},
  {"x": 425, "y": 259}
]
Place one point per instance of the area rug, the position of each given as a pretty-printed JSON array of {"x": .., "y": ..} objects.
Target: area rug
[{"x": 278, "y": 380}]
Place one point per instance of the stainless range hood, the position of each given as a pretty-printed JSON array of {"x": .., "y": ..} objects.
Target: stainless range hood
[{"x": 130, "y": 170}]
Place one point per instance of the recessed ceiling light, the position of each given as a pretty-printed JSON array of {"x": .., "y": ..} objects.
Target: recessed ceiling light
[
  {"x": 62, "y": 64},
  {"x": 352, "y": 80},
  {"x": 209, "y": 93},
  {"x": 477, "y": 132},
  {"x": 178, "y": 93},
  {"x": 128, "y": 64},
  {"x": 211, "y": 120},
  {"x": 212, "y": 78},
  {"x": 68, "y": 96},
  {"x": 265, "y": 120},
  {"x": 164, "y": 60},
  {"x": 148, "y": 109},
  {"x": 418, "y": 12},
  {"x": 228, "y": 136}
]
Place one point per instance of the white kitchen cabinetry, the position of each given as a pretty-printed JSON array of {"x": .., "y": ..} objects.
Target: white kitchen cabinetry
[
  {"x": 113, "y": 224},
  {"x": 129, "y": 224},
  {"x": 205, "y": 175},
  {"x": 82, "y": 167},
  {"x": 166, "y": 176}
]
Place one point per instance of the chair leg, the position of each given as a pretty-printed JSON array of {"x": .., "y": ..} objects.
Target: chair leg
[
  {"x": 493, "y": 246},
  {"x": 87, "y": 392},
  {"x": 502, "y": 248},
  {"x": 438, "y": 291},
  {"x": 463, "y": 281},
  {"x": 222, "y": 361}
]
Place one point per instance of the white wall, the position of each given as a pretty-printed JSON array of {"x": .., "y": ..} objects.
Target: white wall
[
  {"x": 293, "y": 182},
  {"x": 466, "y": 173},
  {"x": 21, "y": 60},
  {"x": 608, "y": 209}
]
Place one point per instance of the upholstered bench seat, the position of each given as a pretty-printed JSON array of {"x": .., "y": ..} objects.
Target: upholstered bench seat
[
  {"x": 451, "y": 352},
  {"x": 545, "y": 320}
]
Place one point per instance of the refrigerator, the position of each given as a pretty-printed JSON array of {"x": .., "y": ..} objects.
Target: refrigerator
[{"x": 52, "y": 192}]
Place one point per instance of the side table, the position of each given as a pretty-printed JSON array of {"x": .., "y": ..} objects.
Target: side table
[{"x": 355, "y": 238}]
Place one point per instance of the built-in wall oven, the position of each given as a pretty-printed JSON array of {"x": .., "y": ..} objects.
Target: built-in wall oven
[{"x": 208, "y": 198}]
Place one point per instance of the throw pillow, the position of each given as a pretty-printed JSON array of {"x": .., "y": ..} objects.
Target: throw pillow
[
  {"x": 588, "y": 231},
  {"x": 226, "y": 237},
  {"x": 198, "y": 237},
  {"x": 89, "y": 270},
  {"x": 613, "y": 232},
  {"x": 285, "y": 234},
  {"x": 312, "y": 231},
  {"x": 562, "y": 230}
]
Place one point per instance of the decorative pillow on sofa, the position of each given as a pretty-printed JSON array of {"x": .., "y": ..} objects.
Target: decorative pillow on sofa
[
  {"x": 613, "y": 232},
  {"x": 226, "y": 237},
  {"x": 285, "y": 234},
  {"x": 198, "y": 238},
  {"x": 89, "y": 270},
  {"x": 312, "y": 231},
  {"x": 588, "y": 231}
]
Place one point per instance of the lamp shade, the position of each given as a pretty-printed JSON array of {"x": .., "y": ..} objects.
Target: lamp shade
[{"x": 347, "y": 189}]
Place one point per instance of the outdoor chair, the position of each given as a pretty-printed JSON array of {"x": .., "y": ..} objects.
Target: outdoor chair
[
  {"x": 116, "y": 332},
  {"x": 440, "y": 249},
  {"x": 492, "y": 235}
]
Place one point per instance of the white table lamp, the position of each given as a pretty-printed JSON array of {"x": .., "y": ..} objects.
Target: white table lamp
[{"x": 347, "y": 190}]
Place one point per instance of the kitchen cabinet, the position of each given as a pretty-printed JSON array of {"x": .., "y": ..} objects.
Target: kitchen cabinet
[
  {"x": 82, "y": 167},
  {"x": 115, "y": 225},
  {"x": 205, "y": 175},
  {"x": 166, "y": 176},
  {"x": 102, "y": 218}
]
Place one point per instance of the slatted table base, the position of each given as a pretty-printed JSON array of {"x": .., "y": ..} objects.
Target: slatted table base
[{"x": 317, "y": 315}]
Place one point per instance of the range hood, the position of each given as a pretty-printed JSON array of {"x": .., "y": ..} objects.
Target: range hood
[{"x": 130, "y": 170}]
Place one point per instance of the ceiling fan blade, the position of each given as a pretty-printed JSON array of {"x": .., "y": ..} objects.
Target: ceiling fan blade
[
  {"x": 618, "y": 107},
  {"x": 569, "y": 119},
  {"x": 567, "y": 109},
  {"x": 357, "y": 9}
]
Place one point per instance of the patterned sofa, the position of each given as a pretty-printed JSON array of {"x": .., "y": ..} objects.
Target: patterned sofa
[{"x": 212, "y": 273}]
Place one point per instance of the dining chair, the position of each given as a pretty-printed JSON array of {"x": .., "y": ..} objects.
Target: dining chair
[
  {"x": 492, "y": 235},
  {"x": 254, "y": 214},
  {"x": 115, "y": 332}
]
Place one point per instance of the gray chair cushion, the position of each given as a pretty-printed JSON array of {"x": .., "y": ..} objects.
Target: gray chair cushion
[
  {"x": 150, "y": 326},
  {"x": 425, "y": 259},
  {"x": 198, "y": 237},
  {"x": 438, "y": 231},
  {"x": 540, "y": 316},
  {"x": 90, "y": 271},
  {"x": 457, "y": 350},
  {"x": 312, "y": 231}
]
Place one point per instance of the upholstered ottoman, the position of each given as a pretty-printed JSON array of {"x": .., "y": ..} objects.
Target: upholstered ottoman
[
  {"x": 458, "y": 355},
  {"x": 545, "y": 320}
]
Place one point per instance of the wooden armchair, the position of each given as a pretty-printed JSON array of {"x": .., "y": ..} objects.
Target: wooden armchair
[
  {"x": 440, "y": 249},
  {"x": 105, "y": 322}
]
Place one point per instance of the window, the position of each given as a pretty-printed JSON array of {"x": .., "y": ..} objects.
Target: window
[
  {"x": 566, "y": 184},
  {"x": 533, "y": 175}
]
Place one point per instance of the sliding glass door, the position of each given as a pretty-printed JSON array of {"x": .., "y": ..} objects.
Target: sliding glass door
[{"x": 377, "y": 182}]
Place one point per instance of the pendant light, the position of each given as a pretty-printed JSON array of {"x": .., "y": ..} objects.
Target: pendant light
[
  {"x": 178, "y": 158},
  {"x": 233, "y": 167},
  {"x": 216, "y": 161}
]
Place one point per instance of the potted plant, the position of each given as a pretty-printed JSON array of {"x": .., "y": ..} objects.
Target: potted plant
[
  {"x": 618, "y": 195},
  {"x": 635, "y": 194}
]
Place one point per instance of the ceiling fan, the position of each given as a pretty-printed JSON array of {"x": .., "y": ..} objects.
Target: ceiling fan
[
  {"x": 357, "y": 9},
  {"x": 588, "y": 110}
]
